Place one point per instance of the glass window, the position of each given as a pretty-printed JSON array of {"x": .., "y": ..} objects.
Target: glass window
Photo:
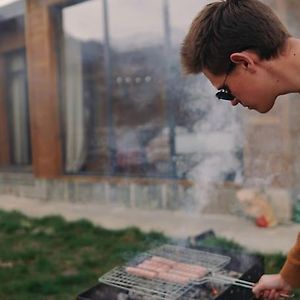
[
  {"x": 127, "y": 108},
  {"x": 113, "y": 88},
  {"x": 15, "y": 145},
  {"x": 139, "y": 87},
  {"x": 17, "y": 108},
  {"x": 207, "y": 132},
  {"x": 83, "y": 88}
]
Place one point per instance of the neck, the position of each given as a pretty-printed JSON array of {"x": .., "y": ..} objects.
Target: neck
[{"x": 286, "y": 68}]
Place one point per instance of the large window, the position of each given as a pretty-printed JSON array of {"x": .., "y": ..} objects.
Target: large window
[
  {"x": 17, "y": 108},
  {"x": 208, "y": 135},
  {"x": 83, "y": 87},
  {"x": 15, "y": 139},
  {"x": 139, "y": 87},
  {"x": 127, "y": 109},
  {"x": 113, "y": 88}
]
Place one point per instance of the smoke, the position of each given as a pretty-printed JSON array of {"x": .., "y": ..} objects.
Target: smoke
[
  {"x": 208, "y": 132},
  {"x": 220, "y": 135}
]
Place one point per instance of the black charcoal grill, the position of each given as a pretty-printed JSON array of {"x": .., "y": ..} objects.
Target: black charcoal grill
[{"x": 119, "y": 285}]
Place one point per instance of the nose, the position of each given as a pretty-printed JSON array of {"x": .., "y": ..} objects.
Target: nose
[{"x": 234, "y": 102}]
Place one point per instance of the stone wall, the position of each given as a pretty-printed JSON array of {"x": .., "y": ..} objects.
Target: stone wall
[{"x": 148, "y": 196}]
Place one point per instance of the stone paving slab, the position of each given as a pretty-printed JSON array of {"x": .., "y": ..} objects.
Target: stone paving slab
[{"x": 174, "y": 224}]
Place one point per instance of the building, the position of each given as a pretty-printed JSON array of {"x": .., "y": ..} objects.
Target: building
[{"x": 93, "y": 107}]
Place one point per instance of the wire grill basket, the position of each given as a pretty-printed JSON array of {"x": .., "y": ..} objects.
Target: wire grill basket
[{"x": 157, "y": 288}]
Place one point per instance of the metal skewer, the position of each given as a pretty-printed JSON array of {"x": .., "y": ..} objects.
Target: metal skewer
[{"x": 241, "y": 283}]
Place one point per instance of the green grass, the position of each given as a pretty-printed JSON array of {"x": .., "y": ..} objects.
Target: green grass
[{"x": 50, "y": 258}]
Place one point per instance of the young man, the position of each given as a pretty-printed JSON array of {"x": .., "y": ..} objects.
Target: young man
[{"x": 250, "y": 57}]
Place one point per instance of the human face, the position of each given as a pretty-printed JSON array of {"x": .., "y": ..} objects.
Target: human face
[{"x": 249, "y": 89}]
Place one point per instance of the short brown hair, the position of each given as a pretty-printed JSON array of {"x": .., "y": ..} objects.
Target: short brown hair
[{"x": 225, "y": 27}]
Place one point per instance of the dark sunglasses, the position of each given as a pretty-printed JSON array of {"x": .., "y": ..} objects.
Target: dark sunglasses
[{"x": 224, "y": 93}]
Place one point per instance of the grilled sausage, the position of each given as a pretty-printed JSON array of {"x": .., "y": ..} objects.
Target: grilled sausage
[
  {"x": 149, "y": 274},
  {"x": 199, "y": 270},
  {"x": 154, "y": 267},
  {"x": 189, "y": 275},
  {"x": 163, "y": 260},
  {"x": 156, "y": 263},
  {"x": 175, "y": 278}
]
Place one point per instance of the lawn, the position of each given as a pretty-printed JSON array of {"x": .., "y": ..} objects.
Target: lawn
[{"x": 50, "y": 258}]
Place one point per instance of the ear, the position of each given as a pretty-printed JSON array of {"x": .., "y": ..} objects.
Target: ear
[{"x": 246, "y": 59}]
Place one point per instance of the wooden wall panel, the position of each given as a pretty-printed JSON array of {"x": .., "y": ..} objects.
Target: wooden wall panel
[{"x": 43, "y": 91}]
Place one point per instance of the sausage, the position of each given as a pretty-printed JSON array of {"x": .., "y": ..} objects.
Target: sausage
[
  {"x": 189, "y": 266},
  {"x": 154, "y": 267},
  {"x": 149, "y": 274},
  {"x": 199, "y": 270},
  {"x": 163, "y": 260},
  {"x": 175, "y": 278},
  {"x": 189, "y": 275},
  {"x": 156, "y": 263}
]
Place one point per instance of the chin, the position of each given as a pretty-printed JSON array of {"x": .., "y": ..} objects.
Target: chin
[
  {"x": 262, "y": 111},
  {"x": 266, "y": 108}
]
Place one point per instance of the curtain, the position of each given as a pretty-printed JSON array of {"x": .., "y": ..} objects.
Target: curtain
[
  {"x": 74, "y": 106},
  {"x": 20, "y": 133},
  {"x": 18, "y": 108}
]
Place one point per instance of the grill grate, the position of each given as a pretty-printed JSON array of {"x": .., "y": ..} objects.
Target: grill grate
[
  {"x": 159, "y": 289},
  {"x": 152, "y": 289},
  {"x": 211, "y": 261}
]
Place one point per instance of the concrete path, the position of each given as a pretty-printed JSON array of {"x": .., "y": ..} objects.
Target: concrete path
[{"x": 174, "y": 224}]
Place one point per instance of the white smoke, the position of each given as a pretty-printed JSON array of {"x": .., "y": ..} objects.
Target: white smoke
[{"x": 218, "y": 136}]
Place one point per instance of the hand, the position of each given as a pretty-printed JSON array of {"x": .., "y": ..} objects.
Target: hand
[{"x": 270, "y": 287}]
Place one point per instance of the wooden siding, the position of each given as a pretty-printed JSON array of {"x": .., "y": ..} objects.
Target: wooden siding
[{"x": 43, "y": 91}]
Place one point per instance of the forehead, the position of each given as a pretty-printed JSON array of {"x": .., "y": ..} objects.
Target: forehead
[{"x": 216, "y": 80}]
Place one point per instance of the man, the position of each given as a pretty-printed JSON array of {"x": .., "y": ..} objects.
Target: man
[{"x": 249, "y": 56}]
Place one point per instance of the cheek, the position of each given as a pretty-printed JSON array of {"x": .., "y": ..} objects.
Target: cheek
[
  {"x": 240, "y": 90},
  {"x": 248, "y": 93}
]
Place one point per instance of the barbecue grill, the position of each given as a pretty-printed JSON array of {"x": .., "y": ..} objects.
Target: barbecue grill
[
  {"x": 160, "y": 289},
  {"x": 118, "y": 284}
]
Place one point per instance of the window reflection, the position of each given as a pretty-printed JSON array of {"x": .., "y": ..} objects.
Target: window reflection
[
  {"x": 201, "y": 123},
  {"x": 83, "y": 88},
  {"x": 128, "y": 110},
  {"x": 137, "y": 89},
  {"x": 138, "y": 98},
  {"x": 15, "y": 141},
  {"x": 17, "y": 107},
  {"x": 181, "y": 16}
]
